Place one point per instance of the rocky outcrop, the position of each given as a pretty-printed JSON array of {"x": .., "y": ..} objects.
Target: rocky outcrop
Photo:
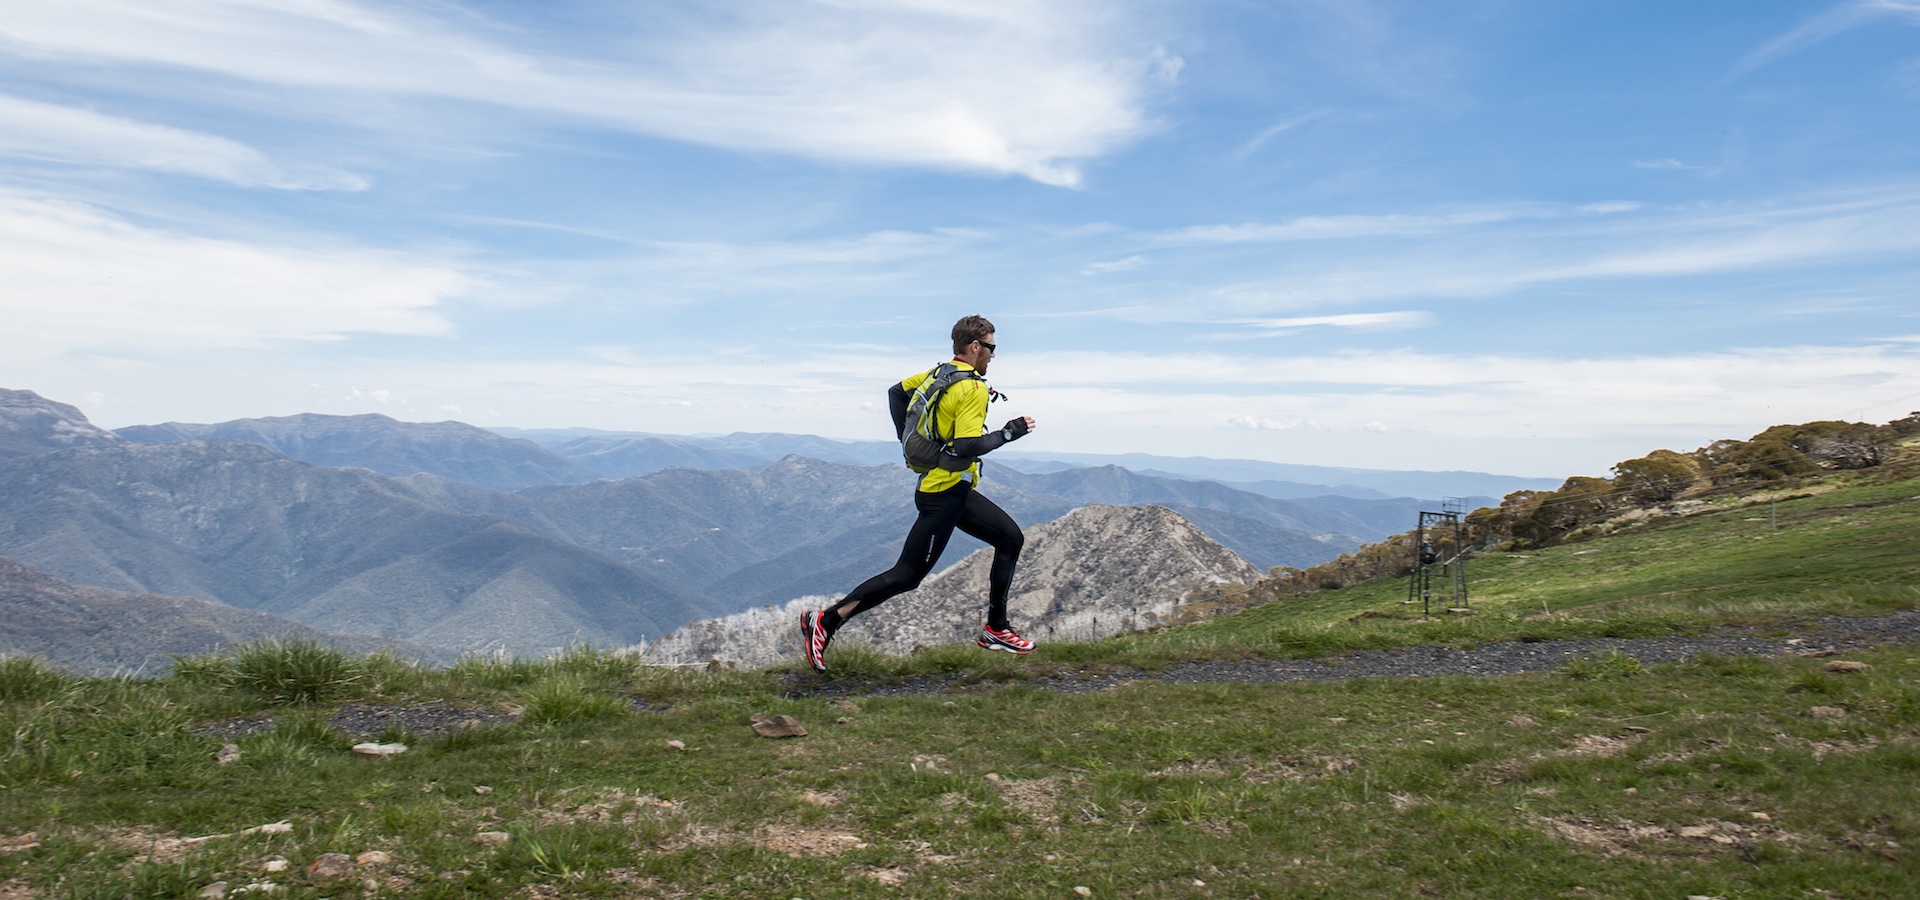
[
  {"x": 1098, "y": 571},
  {"x": 31, "y": 424}
]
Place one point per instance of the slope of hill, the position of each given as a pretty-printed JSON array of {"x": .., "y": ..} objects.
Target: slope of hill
[
  {"x": 94, "y": 631},
  {"x": 451, "y": 450},
  {"x": 31, "y": 424},
  {"x": 338, "y": 549},
  {"x": 1669, "y": 709},
  {"x": 1098, "y": 570}
]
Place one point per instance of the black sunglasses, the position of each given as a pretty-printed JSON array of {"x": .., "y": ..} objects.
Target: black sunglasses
[{"x": 990, "y": 348}]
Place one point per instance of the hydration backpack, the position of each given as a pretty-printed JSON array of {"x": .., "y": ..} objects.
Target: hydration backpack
[{"x": 921, "y": 443}]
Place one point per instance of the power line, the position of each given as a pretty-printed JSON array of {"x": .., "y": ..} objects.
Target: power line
[{"x": 1858, "y": 410}]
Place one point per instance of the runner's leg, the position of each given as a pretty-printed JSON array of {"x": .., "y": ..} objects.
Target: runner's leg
[
  {"x": 984, "y": 519},
  {"x": 926, "y": 540}
]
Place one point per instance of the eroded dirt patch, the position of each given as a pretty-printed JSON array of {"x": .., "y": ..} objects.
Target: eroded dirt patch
[
  {"x": 1624, "y": 837},
  {"x": 1038, "y": 798}
]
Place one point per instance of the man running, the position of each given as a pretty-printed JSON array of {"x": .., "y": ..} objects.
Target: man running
[{"x": 947, "y": 498}]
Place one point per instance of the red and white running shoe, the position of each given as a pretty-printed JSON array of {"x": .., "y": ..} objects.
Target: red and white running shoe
[
  {"x": 995, "y": 639},
  {"x": 813, "y": 639}
]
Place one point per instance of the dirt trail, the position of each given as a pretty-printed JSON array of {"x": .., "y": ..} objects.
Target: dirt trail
[{"x": 1823, "y": 636}]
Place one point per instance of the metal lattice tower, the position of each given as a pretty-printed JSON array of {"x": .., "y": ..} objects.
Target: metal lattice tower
[{"x": 1440, "y": 548}]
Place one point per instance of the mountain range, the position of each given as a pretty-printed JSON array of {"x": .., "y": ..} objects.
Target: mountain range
[
  {"x": 95, "y": 631},
  {"x": 462, "y": 538},
  {"x": 625, "y": 454},
  {"x": 451, "y": 450},
  {"x": 338, "y": 549}
]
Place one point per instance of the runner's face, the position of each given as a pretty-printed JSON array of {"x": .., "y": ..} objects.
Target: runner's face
[{"x": 980, "y": 354}]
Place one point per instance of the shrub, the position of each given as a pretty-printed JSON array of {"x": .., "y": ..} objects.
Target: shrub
[
  {"x": 497, "y": 671},
  {"x": 294, "y": 669},
  {"x": 596, "y": 666},
  {"x": 27, "y": 678},
  {"x": 297, "y": 742},
  {"x": 567, "y": 698}
]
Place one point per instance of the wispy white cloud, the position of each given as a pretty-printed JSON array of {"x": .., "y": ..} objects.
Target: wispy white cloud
[
  {"x": 1262, "y": 423},
  {"x": 1312, "y": 228},
  {"x": 1383, "y": 321},
  {"x": 1028, "y": 89},
  {"x": 1613, "y": 407},
  {"x": 1118, "y": 265},
  {"x": 1500, "y": 251},
  {"x": 1844, "y": 17},
  {"x": 1811, "y": 231},
  {"x": 74, "y": 276},
  {"x": 1674, "y": 165},
  {"x": 1609, "y": 207},
  {"x": 48, "y": 132},
  {"x": 1275, "y": 130}
]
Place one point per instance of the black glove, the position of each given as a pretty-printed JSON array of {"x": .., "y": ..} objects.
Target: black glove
[{"x": 1015, "y": 429}]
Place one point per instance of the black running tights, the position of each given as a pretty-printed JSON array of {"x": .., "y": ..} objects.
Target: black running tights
[{"x": 940, "y": 513}]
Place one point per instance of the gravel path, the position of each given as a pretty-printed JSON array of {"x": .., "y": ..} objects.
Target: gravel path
[
  {"x": 365, "y": 720},
  {"x": 1824, "y": 636}
]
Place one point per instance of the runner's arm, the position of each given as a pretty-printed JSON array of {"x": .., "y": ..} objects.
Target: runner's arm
[
  {"x": 897, "y": 400},
  {"x": 972, "y": 417}
]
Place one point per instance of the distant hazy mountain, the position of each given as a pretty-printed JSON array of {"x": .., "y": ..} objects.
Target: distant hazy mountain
[
  {"x": 740, "y": 538},
  {"x": 1122, "y": 487},
  {"x": 1291, "y": 480},
  {"x": 507, "y": 459},
  {"x": 31, "y": 424},
  {"x": 427, "y": 559},
  {"x": 625, "y": 454},
  {"x": 450, "y": 450},
  {"x": 744, "y": 537},
  {"x": 442, "y": 554},
  {"x": 338, "y": 549},
  {"x": 625, "y": 457},
  {"x": 1099, "y": 570},
  {"x": 94, "y": 631}
]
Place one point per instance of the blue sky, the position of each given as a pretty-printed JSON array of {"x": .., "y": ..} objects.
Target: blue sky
[{"x": 1519, "y": 237}]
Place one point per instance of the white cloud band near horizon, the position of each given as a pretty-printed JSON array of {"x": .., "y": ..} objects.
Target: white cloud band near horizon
[
  {"x": 76, "y": 279},
  {"x": 1400, "y": 410}
]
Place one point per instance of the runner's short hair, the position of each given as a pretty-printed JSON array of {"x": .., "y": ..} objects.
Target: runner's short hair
[{"x": 968, "y": 330}]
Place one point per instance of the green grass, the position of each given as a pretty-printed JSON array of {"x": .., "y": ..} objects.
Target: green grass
[
  {"x": 1842, "y": 552},
  {"x": 1719, "y": 777}
]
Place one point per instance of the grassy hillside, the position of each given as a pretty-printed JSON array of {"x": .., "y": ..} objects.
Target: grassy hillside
[
  {"x": 1833, "y": 548},
  {"x": 1726, "y": 777}
]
